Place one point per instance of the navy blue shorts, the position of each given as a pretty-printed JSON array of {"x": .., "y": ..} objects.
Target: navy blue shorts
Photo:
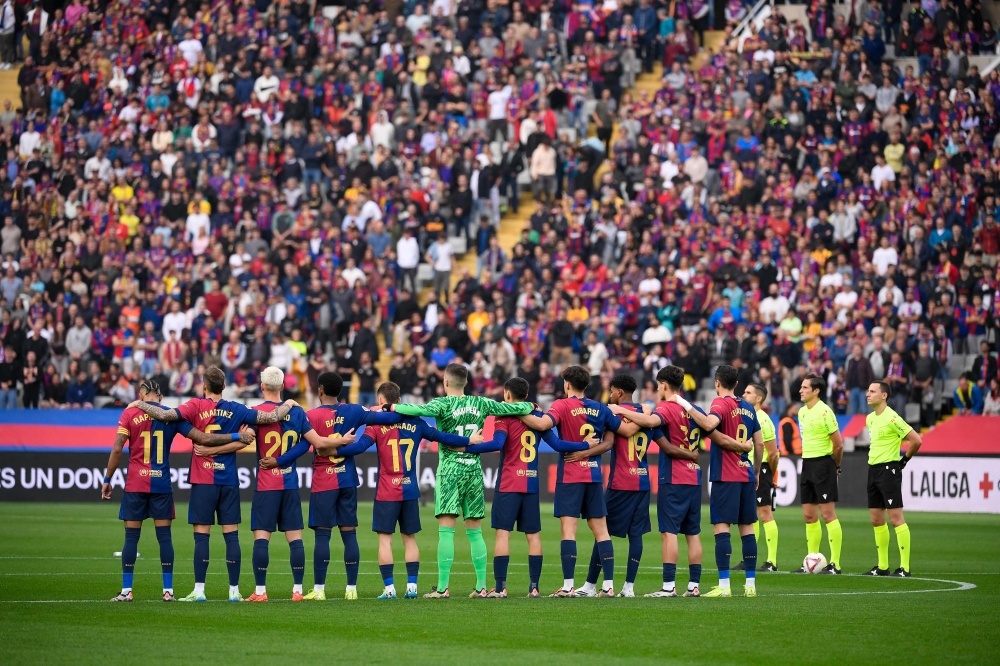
[
  {"x": 628, "y": 512},
  {"x": 520, "y": 508},
  {"x": 678, "y": 509},
  {"x": 387, "y": 513},
  {"x": 210, "y": 502},
  {"x": 281, "y": 509},
  {"x": 733, "y": 503},
  {"x": 334, "y": 508},
  {"x": 580, "y": 500},
  {"x": 140, "y": 506}
]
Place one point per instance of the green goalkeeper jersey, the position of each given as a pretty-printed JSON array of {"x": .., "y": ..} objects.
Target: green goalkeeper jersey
[{"x": 462, "y": 415}]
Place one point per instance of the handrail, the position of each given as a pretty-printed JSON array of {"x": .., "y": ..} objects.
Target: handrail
[
  {"x": 745, "y": 23},
  {"x": 990, "y": 67}
]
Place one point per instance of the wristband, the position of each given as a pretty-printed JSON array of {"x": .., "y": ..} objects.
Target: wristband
[
  {"x": 684, "y": 403},
  {"x": 236, "y": 436},
  {"x": 107, "y": 479}
]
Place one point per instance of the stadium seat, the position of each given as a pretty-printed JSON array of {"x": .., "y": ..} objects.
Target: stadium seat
[
  {"x": 425, "y": 274},
  {"x": 913, "y": 414}
]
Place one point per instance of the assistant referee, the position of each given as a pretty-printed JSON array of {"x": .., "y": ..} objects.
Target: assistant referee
[{"x": 885, "y": 478}]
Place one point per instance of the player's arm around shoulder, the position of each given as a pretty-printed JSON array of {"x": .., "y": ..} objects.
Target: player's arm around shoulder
[
  {"x": 538, "y": 421},
  {"x": 642, "y": 419},
  {"x": 155, "y": 411},
  {"x": 494, "y": 408},
  {"x": 435, "y": 408}
]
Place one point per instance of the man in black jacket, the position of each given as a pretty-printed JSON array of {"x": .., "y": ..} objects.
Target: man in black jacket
[
  {"x": 859, "y": 377},
  {"x": 984, "y": 367}
]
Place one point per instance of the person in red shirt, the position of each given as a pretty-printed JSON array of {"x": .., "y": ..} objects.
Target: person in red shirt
[{"x": 216, "y": 302}]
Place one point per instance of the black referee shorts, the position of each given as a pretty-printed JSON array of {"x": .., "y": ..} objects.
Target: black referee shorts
[
  {"x": 885, "y": 486},
  {"x": 766, "y": 490},
  {"x": 818, "y": 481}
]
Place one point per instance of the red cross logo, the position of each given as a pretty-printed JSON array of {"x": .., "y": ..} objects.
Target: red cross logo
[{"x": 986, "y": 485}]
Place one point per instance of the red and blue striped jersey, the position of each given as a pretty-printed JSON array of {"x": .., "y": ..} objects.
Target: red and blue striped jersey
[
  {"x": 518, "y": 471},
  {"x": 334, "y": 472},
  {"x": 212, "y": 417},
  {"x": 274, "y": 440},
  {"x": 629, "y": 464},
  {"x": 577, "y": 419},
  {"x": 738, "y": 419},
  {"x": 685, "y": 434},
  {"x": 149, "y": 443},
  {"x": 396, "y": 447}
]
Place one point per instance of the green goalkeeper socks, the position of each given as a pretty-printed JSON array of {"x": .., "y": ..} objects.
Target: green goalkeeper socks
[
  {"x": 814, "y": 534},
  {"x": 771, "y": 535},
  {"x": 478, "y": 545},
  {"x": 903, "y": 540},
  {"x": 446, "y": 556},
  {"x": 836, "y": 537},
  {"x": 882, "y": 543}
]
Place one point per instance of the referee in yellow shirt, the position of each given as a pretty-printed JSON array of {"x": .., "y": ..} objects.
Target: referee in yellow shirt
[
  {"x": 885, "y": 478},
  {"x": 822, "y": 451}
]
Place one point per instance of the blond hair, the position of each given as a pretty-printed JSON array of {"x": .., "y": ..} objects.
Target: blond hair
[{"x": 272, "y": 378}]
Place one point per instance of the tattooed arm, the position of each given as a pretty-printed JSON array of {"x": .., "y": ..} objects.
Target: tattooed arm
[
  {"x": 263, "y": 418},
  {"x": 156, "y": 412}
]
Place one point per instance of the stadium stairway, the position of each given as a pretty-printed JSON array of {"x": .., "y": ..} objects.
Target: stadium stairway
[{"x": 9, "y": 88}]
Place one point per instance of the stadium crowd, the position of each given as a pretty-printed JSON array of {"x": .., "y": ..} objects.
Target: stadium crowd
[{"x": 245, "y": 184}]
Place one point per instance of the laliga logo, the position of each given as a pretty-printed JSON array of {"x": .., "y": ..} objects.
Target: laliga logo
[
  {"x": 520, "y": 472},
  {"x": 143, "y": 472},
  {"x": 207, "y": 465}
]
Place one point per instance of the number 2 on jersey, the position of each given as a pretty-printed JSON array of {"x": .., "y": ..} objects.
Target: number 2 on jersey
[{"x": 273, "y": 440}]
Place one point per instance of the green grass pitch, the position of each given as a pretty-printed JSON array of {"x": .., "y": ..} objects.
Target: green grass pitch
[{"x": 54, "y": 553}]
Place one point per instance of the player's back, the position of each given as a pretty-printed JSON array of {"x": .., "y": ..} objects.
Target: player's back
[
  {"x": 211, "y": 417},
  {"x": 684, "y": 433},
  {"x": 578, "y": 419},
  {"x": 629, "y": 464},
  {"x": 396, "y": 446},
  {"x": 275, "y": 439},
  {"x": 518, "y": 471},
  {"x": 737, "y": 419},
  {"x": 332, "y": 472},
  {"x": 460, "y": 415},
  {"x": 149, "y": 443}
]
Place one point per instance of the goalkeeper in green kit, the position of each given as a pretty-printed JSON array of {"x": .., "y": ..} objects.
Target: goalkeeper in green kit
[{"x": 459, "y": 486}]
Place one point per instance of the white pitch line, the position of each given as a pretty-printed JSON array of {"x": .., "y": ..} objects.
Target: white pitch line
[{"x": 961, "y": 588}]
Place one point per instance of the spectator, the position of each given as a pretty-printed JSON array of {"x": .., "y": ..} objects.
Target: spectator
[
  {"x": 80, "y": 393},
  {"x": 968, "y": 398},
  {"x": 991, "y": 404}
]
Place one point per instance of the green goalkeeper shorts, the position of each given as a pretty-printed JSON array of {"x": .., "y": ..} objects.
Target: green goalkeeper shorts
[{"x": 460, "y": 494}]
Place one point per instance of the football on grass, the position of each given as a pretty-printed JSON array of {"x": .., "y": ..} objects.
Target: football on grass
[{"x": 814, "y": 562}]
